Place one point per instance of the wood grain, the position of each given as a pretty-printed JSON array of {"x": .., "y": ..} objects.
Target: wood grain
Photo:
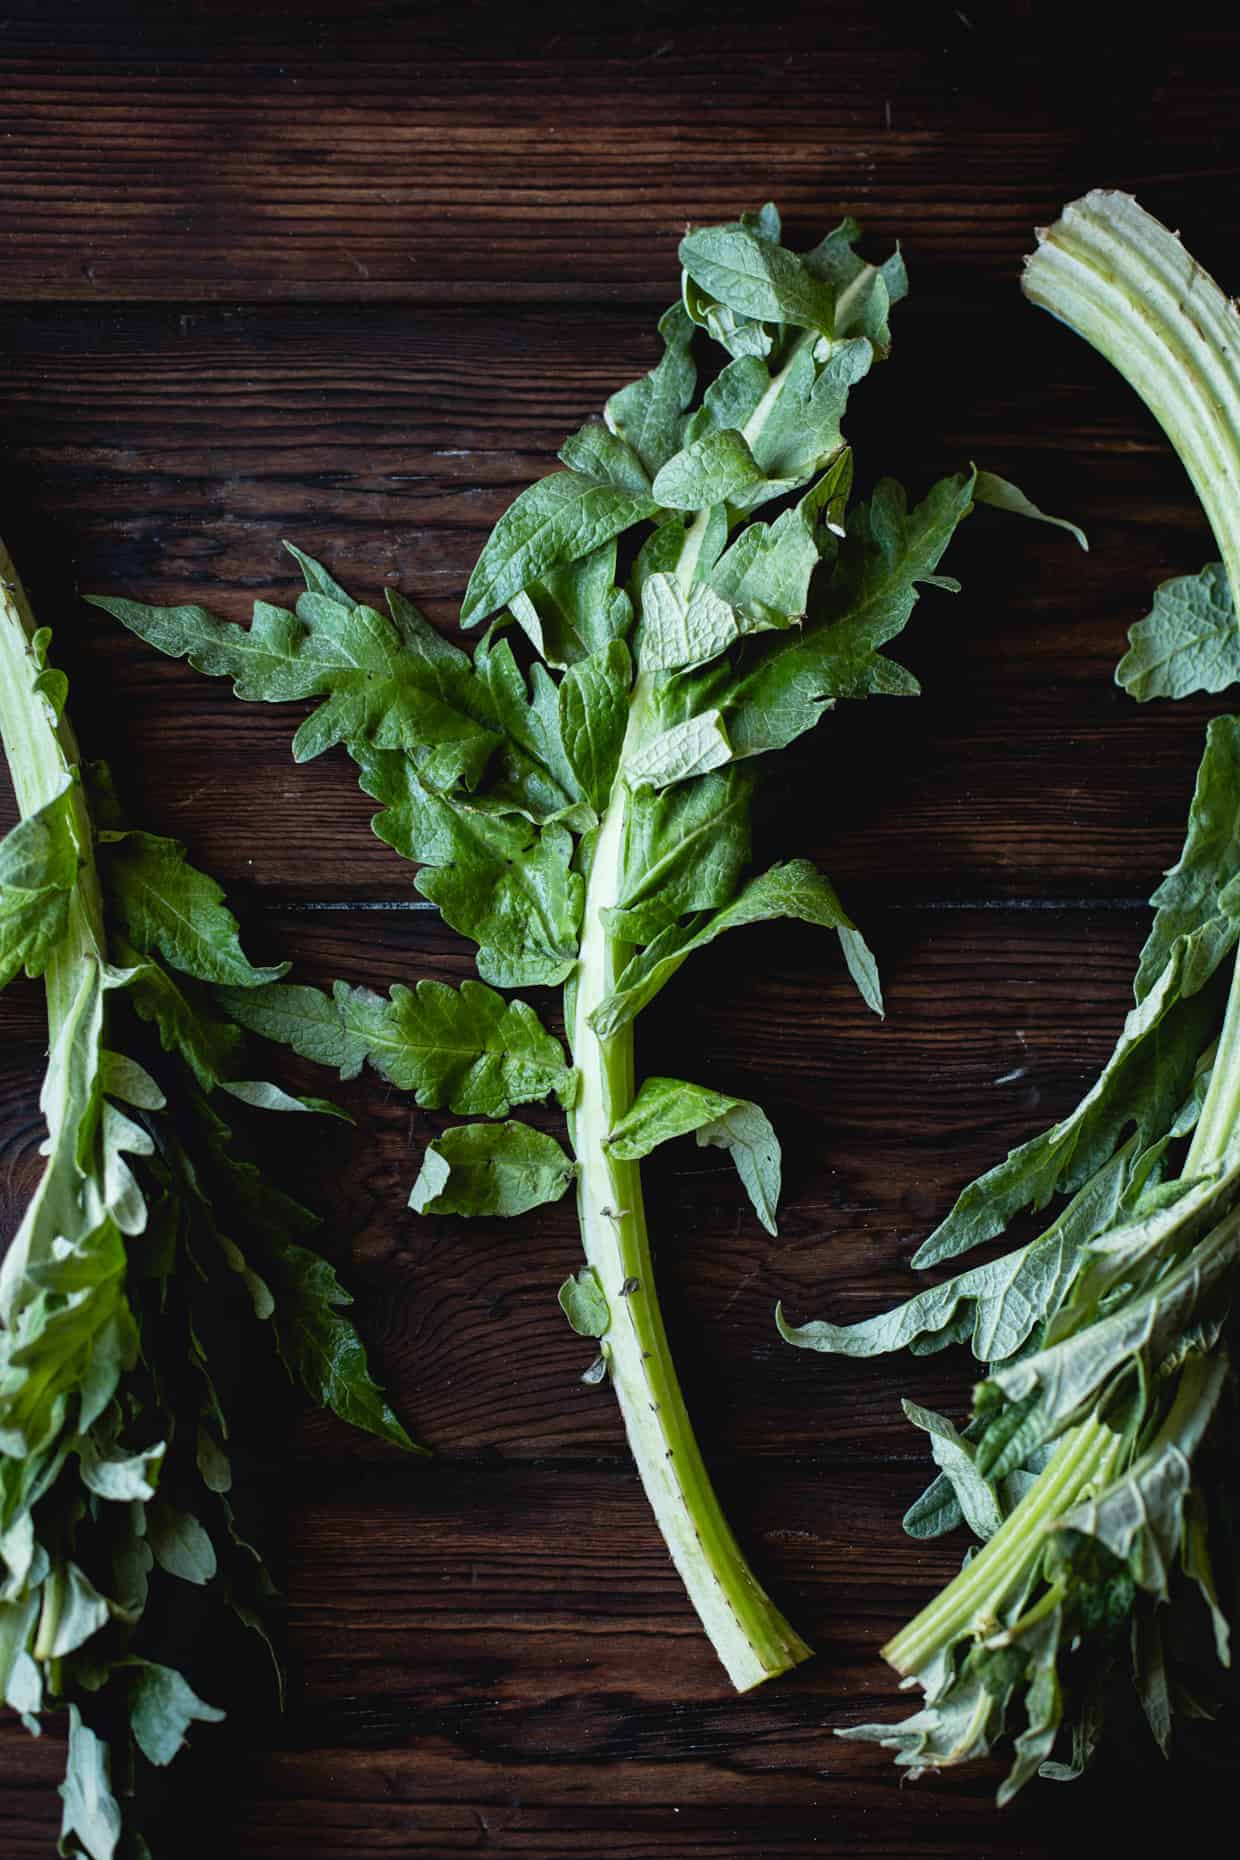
[
  {"x": 216, "y": 151},
  {"x": 349, "y": 271},
  {"x": 164, "y": 456},
  {"x": 997, "y": 1024}
]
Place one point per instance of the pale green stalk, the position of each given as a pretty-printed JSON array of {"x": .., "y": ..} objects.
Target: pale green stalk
[
  {"x": 749, "y": 1634},
  {"x": 1119, "y": 278}
]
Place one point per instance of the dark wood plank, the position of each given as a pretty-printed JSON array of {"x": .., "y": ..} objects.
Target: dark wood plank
[
  {"x": 164, "y": 456},
  {"x": 363, "y": 150},
  {"x": 511, "y": 1666},
  {"x": 997, "y": 1024}
]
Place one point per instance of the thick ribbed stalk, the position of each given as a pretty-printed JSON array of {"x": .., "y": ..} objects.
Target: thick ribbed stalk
[
  {"x": 749, "y": 1634},
  {"x": 42, "y": 755},
  {"x": 1083, "y": 1461},
  {"x": 1123, "y": 281}
]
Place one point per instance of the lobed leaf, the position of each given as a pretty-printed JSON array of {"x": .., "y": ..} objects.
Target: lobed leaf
[
  {"x": 503, "y": 1169},
  {"x": 1189, "y": 641},
  {"x": 666, "y": 1108},
  {"x": 557, "y": 520},
  {"x": 794, "y": 889}
]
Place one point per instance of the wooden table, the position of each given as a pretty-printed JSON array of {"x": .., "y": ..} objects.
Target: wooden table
[{"x": 348, "y": 272}]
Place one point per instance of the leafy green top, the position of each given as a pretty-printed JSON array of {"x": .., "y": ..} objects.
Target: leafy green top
[{"x": 152, "y": 1246}]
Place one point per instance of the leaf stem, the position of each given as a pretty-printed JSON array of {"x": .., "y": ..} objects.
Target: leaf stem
[
  {"x": 1116, "y": 275},
  {"x": 971, "y": 1604},
  {"x": 749, "y": 1634},
  {"x": 43, "y": 755}
]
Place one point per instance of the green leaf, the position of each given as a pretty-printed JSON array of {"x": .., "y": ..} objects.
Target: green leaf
[
  {"x": 988, "y": 488},
  {"x": 1190, "y": 900},
  {"x": 680, "y": 629},
  {"x": 596, "y": 451},
  {"x": 91, "y": 1814},
  {"x": 693, "y": 747},
  {"x": 556, "y": 520},
  {"x": 502, "y": 1169},
  {"x": 864, "y": 294},
  {"x": 73, "y": 1610},
  {"x": 162, "y": 1706},
  {"x": 594, "y": 713},
  {"x": 166, "y": 904},
  {"x": 467, "y": 1049},
  {"x": 1147, "y": 1077},
  {"x": 781, "y": 686},
  {"x": 716, "y": 469},
  {"x": 494, "y": 878},
  {"x": 584, "y": 1303},
  {"x": 756, "y": 278},
  {"x": 801, "y": 426},
  {"x": 321, "y": 1349},
  {"x": 182, "y": 1011},
  {"x": 392, "y": 683},
  {"x": 1189, "y": 641},
  {"x": 38, "y": 870},
  {"x": 954, "y": 1456},
  {"x": 530, "y": 772},
  {"x": 574, "y": 609},
  {"x": 795, "y": 889},
  {"x": 685, "y": 849},
  {"x": 1141, "y": 1516},
  {"x": 307, "y": 1019},
  {"x": 118, "y": 1475},
  {"x": 666, "y": 1108},
  {"x": 997, "y": 1306},
  {"x": 179, "y": 1543},
  {"x": 649, "y": 414}
]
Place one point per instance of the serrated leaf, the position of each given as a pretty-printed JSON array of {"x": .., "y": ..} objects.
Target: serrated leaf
[
  {"x": 954, "y": 1456},
  {"x": 680, "y": 629},
  {"x": 574, "y": 609},
  {"x": 494, "y": 877},
  {"x": 167, "y": 905},
  {"x": 1190, "y": 900},
  {"x": 756, "y": 278},
  {"x": 794, "y": 889},
  {"x": 1140, "y": 1517},
  {"x": 465, "y": 1049},
  {"x": 996, "y": 1306},
  {"x": 666, "y": 1108},
  {"x": 780, "y": 686},
  {"x": 321, "y": 1349},
  {"x": 162, "y": 1706},
  {"x": 593, "y": 717},
  {"x": 718, "y": 468},
  {"x": 1189, "y": 641},
  {"x": 649, "y": 413},
  {"x": 390, "y": 682},
  {"x": 554, "y": 521},
  {"x": 38, "y": 870},
  {"x": 1143, "y": 1084},
  {"x": 307, "y": 1019},
  {"x": 503, "y": 1169},
  {"x": 693, "y": 747}
]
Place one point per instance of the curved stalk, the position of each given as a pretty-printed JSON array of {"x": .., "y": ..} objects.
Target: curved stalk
[
  {"x": 748, "y": 1632},
  {"x": 1116, "y": 275}
]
